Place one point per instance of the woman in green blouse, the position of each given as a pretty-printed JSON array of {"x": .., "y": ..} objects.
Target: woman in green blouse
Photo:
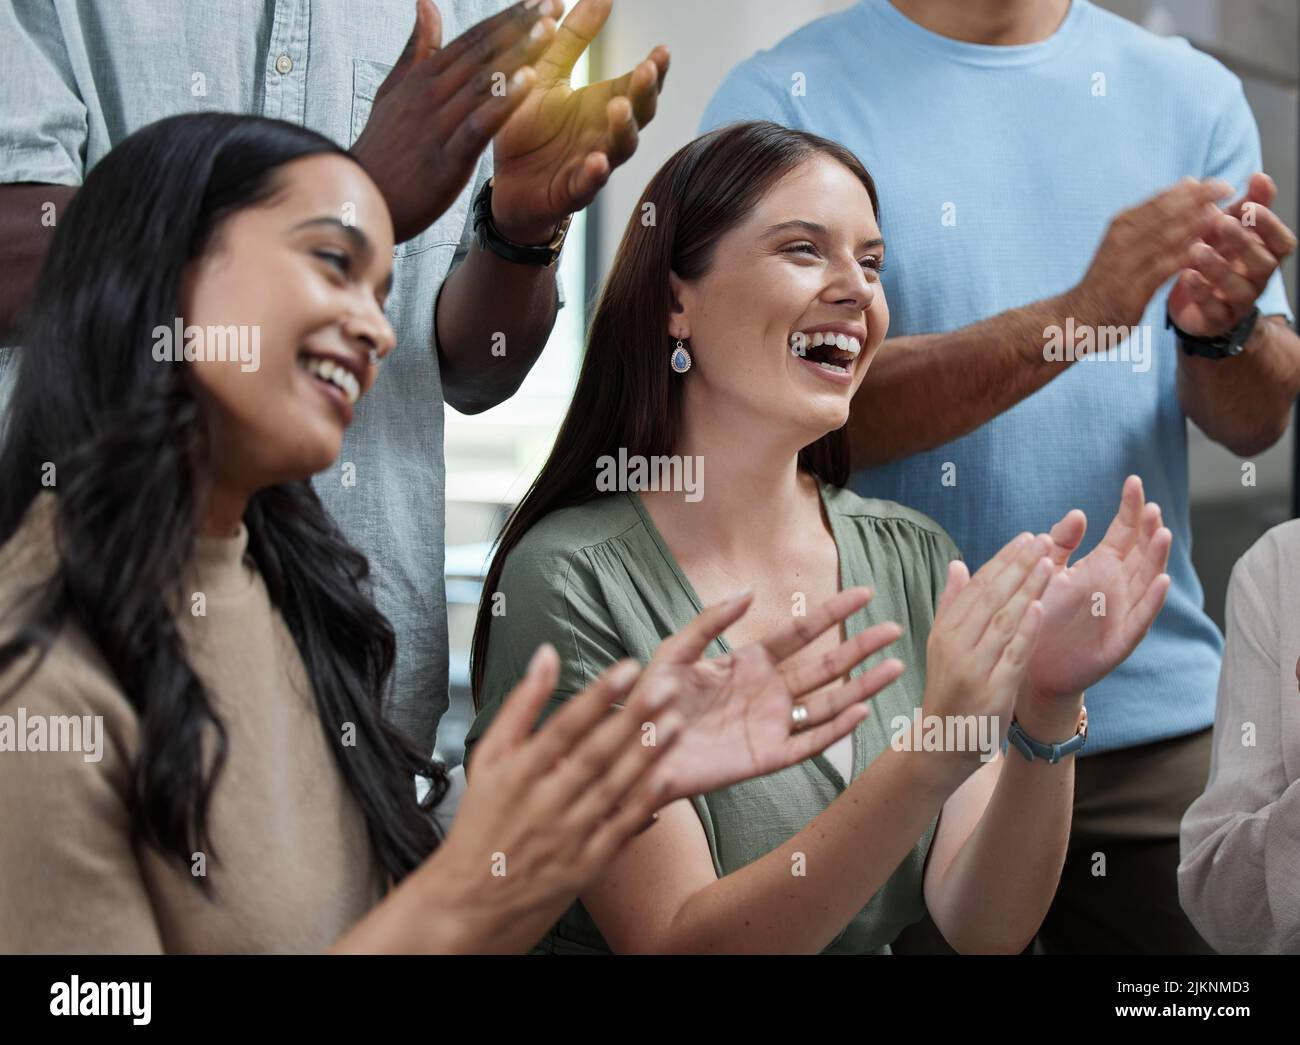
[{"x": 704, "y": 452}]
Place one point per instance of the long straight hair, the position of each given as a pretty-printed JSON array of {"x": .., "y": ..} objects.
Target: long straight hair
[
  {"x": 132, "y": 450},
  {"x": 627, "y": 395}
]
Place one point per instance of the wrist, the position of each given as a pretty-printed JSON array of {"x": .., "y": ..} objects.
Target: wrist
[
  {"x": 455, "y": 920},
  {"x": 1088, "y": 305},
  {"x": 523, "y": 231},
  {"x": 936, "y": 774},
  {"x": 1050, "y": 719}
]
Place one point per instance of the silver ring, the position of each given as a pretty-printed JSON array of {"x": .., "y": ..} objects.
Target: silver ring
[
  {"x": 799, "y": 717},
  {"x": 374, "y": 357}
]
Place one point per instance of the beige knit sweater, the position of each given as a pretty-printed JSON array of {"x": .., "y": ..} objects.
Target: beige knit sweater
[{"x": 292, "y": 866}]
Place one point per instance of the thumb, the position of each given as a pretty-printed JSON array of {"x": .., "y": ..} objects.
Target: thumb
[
  {"x": 425, "y": 38},
  {"x": 1261, "y": 191},
  {"x": 958, "y": 577},
  {"x": 1066, "y": 536}
]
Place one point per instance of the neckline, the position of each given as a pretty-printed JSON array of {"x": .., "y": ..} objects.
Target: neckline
[
  {"x": 670, "y": 560},
  {"x": 218, "y": 563},
  {"x": 987, "y": 55},
  {"x": 820, "y": 760}
]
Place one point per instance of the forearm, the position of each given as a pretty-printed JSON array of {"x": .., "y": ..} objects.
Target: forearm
[
  {"x": 25, "y": 239},
  {"x": 434, "y": 911},
  {"x": 930, "y": 389},
  {"x": 493, "y": 320},
  {"x": 846, "y": 854},
  {"x": 995, "y": 893},
  {"x": 1244, "y": 402},
  {"x": 1238, "y": 884}
]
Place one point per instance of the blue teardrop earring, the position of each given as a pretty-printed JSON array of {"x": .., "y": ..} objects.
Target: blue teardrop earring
[{"x": 681, "y": 359}]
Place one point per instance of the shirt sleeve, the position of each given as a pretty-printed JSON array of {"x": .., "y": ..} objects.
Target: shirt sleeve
[
  {"x": 1234, "y": 156},
  {"x": 70, "y": 879},
  {"x": 1240, "y": 840},
  {"x": 750, "y": 92},
  {"x": 43, "y": 120},
  {"x": 545, "y": 595}
]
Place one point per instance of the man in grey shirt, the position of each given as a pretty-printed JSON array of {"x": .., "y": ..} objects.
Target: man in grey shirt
[{"x": 76, "y": 78}]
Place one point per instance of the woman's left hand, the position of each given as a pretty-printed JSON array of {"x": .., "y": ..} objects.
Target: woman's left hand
[{"x": 1097, "y": 611}]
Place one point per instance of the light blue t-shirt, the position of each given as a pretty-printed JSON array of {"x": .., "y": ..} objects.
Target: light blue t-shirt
[{"x": 999, "y": 169}]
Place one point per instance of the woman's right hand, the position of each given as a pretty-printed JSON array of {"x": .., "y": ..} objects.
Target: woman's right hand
[
  {"x": 983, "y": 633},
  {"x": 543, "y": 813}
]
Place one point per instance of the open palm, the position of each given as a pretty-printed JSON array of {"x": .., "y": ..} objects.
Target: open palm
[
  {"x": 1097, "y": 611},
  {"x": 737, "y": 708},
  {"x": 558, "y": 149}
]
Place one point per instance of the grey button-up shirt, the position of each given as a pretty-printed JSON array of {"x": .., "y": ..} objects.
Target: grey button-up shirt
[{"x": 77, "y": 77}]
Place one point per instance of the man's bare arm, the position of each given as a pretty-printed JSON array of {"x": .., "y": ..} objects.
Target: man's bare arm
[
  {"x": 494, "y": 318},
  {"x": 927, "y": 390},
  {"x": 24, "y": 241}
]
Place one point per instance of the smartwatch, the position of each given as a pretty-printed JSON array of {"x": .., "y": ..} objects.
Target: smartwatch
[
  {"x": 1053, "y": 753},
  {"x": 1224, "y": 346},
  {"x": 490, "y": 239}
]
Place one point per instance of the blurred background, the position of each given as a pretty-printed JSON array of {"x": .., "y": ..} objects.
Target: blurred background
[{"x": 492, "y": 458}]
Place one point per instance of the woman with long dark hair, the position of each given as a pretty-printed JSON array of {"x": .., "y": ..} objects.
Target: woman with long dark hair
[
  {"x": 193, "y": 755},
  {"x": 733, "y": 331}
]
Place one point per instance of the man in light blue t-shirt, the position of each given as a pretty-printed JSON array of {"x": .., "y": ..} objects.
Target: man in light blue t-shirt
[{"x": 1037, "y": 168}]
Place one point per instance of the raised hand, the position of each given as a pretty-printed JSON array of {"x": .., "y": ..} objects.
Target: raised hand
[
  {"x": 543, "y": 813},
  {"x": 558, "y": 150},
  {"x": 737, "y": 708},
  {"x": 440, "y": 107},
  {"x": 1245, "y": 245},
  {"x": 1097, "y": 611},
  {"x": 984, "y": 629},
  {"x": 1143, "y": 247}
]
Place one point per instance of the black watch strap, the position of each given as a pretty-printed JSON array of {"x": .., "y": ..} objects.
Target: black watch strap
[
  {"x": 490, "y": 239},
  {"x": 1222, "y": 347}
]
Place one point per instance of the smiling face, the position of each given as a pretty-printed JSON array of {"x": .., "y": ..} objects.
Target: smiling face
[
  {"x": 791, "y": 312},
  {"x": 310, "y": 289}
]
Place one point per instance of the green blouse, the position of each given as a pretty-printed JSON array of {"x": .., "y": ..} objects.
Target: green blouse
[{"x": 598, "y": 582}]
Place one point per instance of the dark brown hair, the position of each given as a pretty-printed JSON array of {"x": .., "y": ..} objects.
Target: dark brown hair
[{"x": 627, "y": 395}]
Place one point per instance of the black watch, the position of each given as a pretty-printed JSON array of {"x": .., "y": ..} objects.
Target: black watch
[
  {"x": 490, "y": 239},
  {"x": 1222, "y": 347}
]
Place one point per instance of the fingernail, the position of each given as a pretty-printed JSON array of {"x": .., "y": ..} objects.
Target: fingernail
[
  {"x": 538, "y": 31},
  {"x": 536, "y": 663},
  {"x": 622, "y": 677},
  {"x": 657, "y": 698},
  {"x": 744, "y": 593}
]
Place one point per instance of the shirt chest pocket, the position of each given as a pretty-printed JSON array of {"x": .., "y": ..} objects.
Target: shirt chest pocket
[{"x": 367, "y": 77}]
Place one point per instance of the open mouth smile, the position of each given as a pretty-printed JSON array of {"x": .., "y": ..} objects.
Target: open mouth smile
[
  {"x": 831, "y": 352},
  {"x": 337, "y": 379}
]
